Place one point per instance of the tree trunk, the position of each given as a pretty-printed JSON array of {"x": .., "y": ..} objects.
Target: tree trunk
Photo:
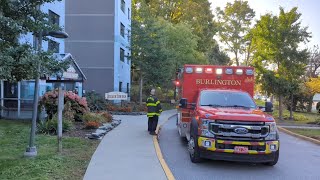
[
  {"x": 140, "y": 88},
  {"x": 310, "y": 102},
  {"x": 291, "y": 106},
  {"x": 280, "y": 108},
  {"x": 237, "y": 60}
]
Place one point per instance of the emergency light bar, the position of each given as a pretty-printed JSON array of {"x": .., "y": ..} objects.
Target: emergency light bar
[
  {"x": 189, "y": 70},
  {"x": 199, "y": 70},
  {"x": 239, "y": 71},
  {"x": 218, "y": 71},
  {"x": 208, "y": 70},
  {"x": 249, "y": 72},
  {"x": 229, "y": 71}
]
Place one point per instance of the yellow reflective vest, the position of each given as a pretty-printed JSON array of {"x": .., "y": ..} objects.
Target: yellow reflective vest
[{"x": 154, "y": 106}]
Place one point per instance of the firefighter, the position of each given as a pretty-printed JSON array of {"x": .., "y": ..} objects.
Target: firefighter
[{"x": 154, "y": 111}]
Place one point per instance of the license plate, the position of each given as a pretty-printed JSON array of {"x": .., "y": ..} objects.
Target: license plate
[{"x": 241, "y": 149}]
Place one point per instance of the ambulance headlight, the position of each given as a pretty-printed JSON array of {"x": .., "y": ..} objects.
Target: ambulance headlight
[{"x": 273, "y": 133}]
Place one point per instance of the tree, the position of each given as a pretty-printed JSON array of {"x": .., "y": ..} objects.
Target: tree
[
  {"x": 18, "y": 61},
  {"x": 234, "y": 25},
  {"x": 159, "y": 47},
  {"x": 276, "y": 42},
  {"x": 198, "y": 15},
  {"x": 314, "y": 62}
]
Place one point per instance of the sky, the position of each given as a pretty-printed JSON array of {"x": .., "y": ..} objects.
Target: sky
[{"x": 310, "y": 10}]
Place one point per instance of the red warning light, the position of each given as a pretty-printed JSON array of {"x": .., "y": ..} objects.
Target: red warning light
[{"x": 177, "y": 83}]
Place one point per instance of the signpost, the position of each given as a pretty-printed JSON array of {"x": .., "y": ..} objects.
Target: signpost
[
  {"x": 68, "y": 76},
  {"x": 116, "y": 96},
  {"x": 120, "y": 96}
]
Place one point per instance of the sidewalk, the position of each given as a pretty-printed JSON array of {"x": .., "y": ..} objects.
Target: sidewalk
[{"x": 127, "y": 152}]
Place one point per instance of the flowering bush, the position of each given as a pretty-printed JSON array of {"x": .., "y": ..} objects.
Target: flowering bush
[{"x": 77, "y": 105}]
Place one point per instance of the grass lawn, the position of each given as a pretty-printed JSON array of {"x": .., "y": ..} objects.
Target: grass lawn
[
  {"x": 70, "y": 164},
  {"x": 313, "y": 133}
]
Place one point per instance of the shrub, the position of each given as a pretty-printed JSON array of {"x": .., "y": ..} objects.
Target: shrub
[
  {"x": 107, "y": 116},
  {"x": 286, "y": 116},
  {"x": 91, "y": 125},
  {"x": 92, "y": 117},
  {"x": 51, "y": 126},
  {"x": 300, "y": 117},
  {"x": 77, "y": 105},
  {"x": 95, "y": 101}
]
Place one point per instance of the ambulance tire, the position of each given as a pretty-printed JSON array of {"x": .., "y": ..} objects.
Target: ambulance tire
[
  {"x": 275, "y": 161},
  {"x": 194, "y": 151}
]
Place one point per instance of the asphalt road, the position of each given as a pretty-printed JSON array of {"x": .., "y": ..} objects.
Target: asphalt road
[{"x": 298, "y": 160}]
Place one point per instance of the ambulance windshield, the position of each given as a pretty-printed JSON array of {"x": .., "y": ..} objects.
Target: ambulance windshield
[{"x": 226, "y": 99}]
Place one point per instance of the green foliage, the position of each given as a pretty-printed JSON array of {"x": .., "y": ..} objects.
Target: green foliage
[
  {"x": 51, "y": 126},
  {"x": 94, "y": 120},
  {"x": 19, "y": 61},
  {"x": 92, "y": 117},
  {"x": 95, "y": 101},
  {"x": 286, "y": 116},
  {"x": 166, "y": 35},
  {"x": 234, "y": 26},
  {"x": 275, "y": 40},
  {"x": 72, "y": 163}
]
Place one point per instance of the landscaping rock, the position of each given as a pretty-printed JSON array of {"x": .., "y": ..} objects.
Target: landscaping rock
[
  {"x": 128, "y": 113},
  {"x": 95, "y": 136},
  {"x": 103, "y": 130}
]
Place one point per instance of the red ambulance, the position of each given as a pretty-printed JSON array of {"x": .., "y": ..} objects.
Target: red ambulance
[{"x": 220, "y": 119}]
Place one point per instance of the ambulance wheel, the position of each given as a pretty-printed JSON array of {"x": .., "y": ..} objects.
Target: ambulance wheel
[
  {"x": 194, "y": 150},
  {"x": 275, "y": 161}
]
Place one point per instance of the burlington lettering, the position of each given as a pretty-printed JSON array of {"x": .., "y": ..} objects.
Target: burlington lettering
[{"x": 219, "y": 82}]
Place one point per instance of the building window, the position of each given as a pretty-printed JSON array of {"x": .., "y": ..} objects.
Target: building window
[
  {"x": 35, "y": 42},
  {"x": 128, "y": 36},
  {"x": 123, "y": 6},
  {"x": 128, "y": 88},
  {"x": 128, "y": 58},
  {"x": 120, "y": 86},
  {"x": 128, "y": 13},
  {"x": 53, "y": 18},
  {"x": 122, "y": 29},
  {"x": 53, "y": 46},
  {"x": 121, "y": 54}
]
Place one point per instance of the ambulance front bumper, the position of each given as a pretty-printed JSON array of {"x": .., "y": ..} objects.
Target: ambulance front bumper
[{"x": 257, "y": 152}]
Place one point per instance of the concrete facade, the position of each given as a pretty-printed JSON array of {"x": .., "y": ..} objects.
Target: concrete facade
[
  {"x": 57, "y": 7},
  {"x": 95, "y": 40}
]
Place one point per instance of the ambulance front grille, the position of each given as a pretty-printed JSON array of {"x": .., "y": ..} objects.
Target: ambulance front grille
[{"x": 239, "y": 130}]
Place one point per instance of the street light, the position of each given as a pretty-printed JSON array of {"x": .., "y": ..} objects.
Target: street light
[{"x": 31, "y": 150}]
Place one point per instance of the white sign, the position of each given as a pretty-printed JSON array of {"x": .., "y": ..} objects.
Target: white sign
[
  {"x": 116, "y": 96},
  {"x": 71, "y": 73}
]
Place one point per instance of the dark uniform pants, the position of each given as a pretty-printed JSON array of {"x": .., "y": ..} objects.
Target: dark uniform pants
[{"x": 152, "y": 123}]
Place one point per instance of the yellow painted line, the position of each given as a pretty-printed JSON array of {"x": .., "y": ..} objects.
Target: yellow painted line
[
  {"x": 299, "y": 135},
  {"x": 163, "y": 163}
]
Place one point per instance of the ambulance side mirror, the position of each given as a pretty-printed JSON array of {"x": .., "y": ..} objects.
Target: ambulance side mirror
[
  {"x": 183, "y": 103},
  {"x": 268, "y": 107}
]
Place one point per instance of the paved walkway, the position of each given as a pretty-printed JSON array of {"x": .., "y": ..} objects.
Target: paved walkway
[
  {"x": 300, "y": 127},
  {"x": 127, "y": 152}
]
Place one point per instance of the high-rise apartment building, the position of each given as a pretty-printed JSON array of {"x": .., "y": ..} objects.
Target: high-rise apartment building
[{"x": 99, "y": 38}]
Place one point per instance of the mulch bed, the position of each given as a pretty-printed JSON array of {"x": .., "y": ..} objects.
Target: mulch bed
[{"x": 78, "y": 130}]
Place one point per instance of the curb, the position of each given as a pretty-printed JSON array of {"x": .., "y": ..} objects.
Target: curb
[
  {"x": 299, "y": 136},
  {"x": 163, "y": 163}
]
